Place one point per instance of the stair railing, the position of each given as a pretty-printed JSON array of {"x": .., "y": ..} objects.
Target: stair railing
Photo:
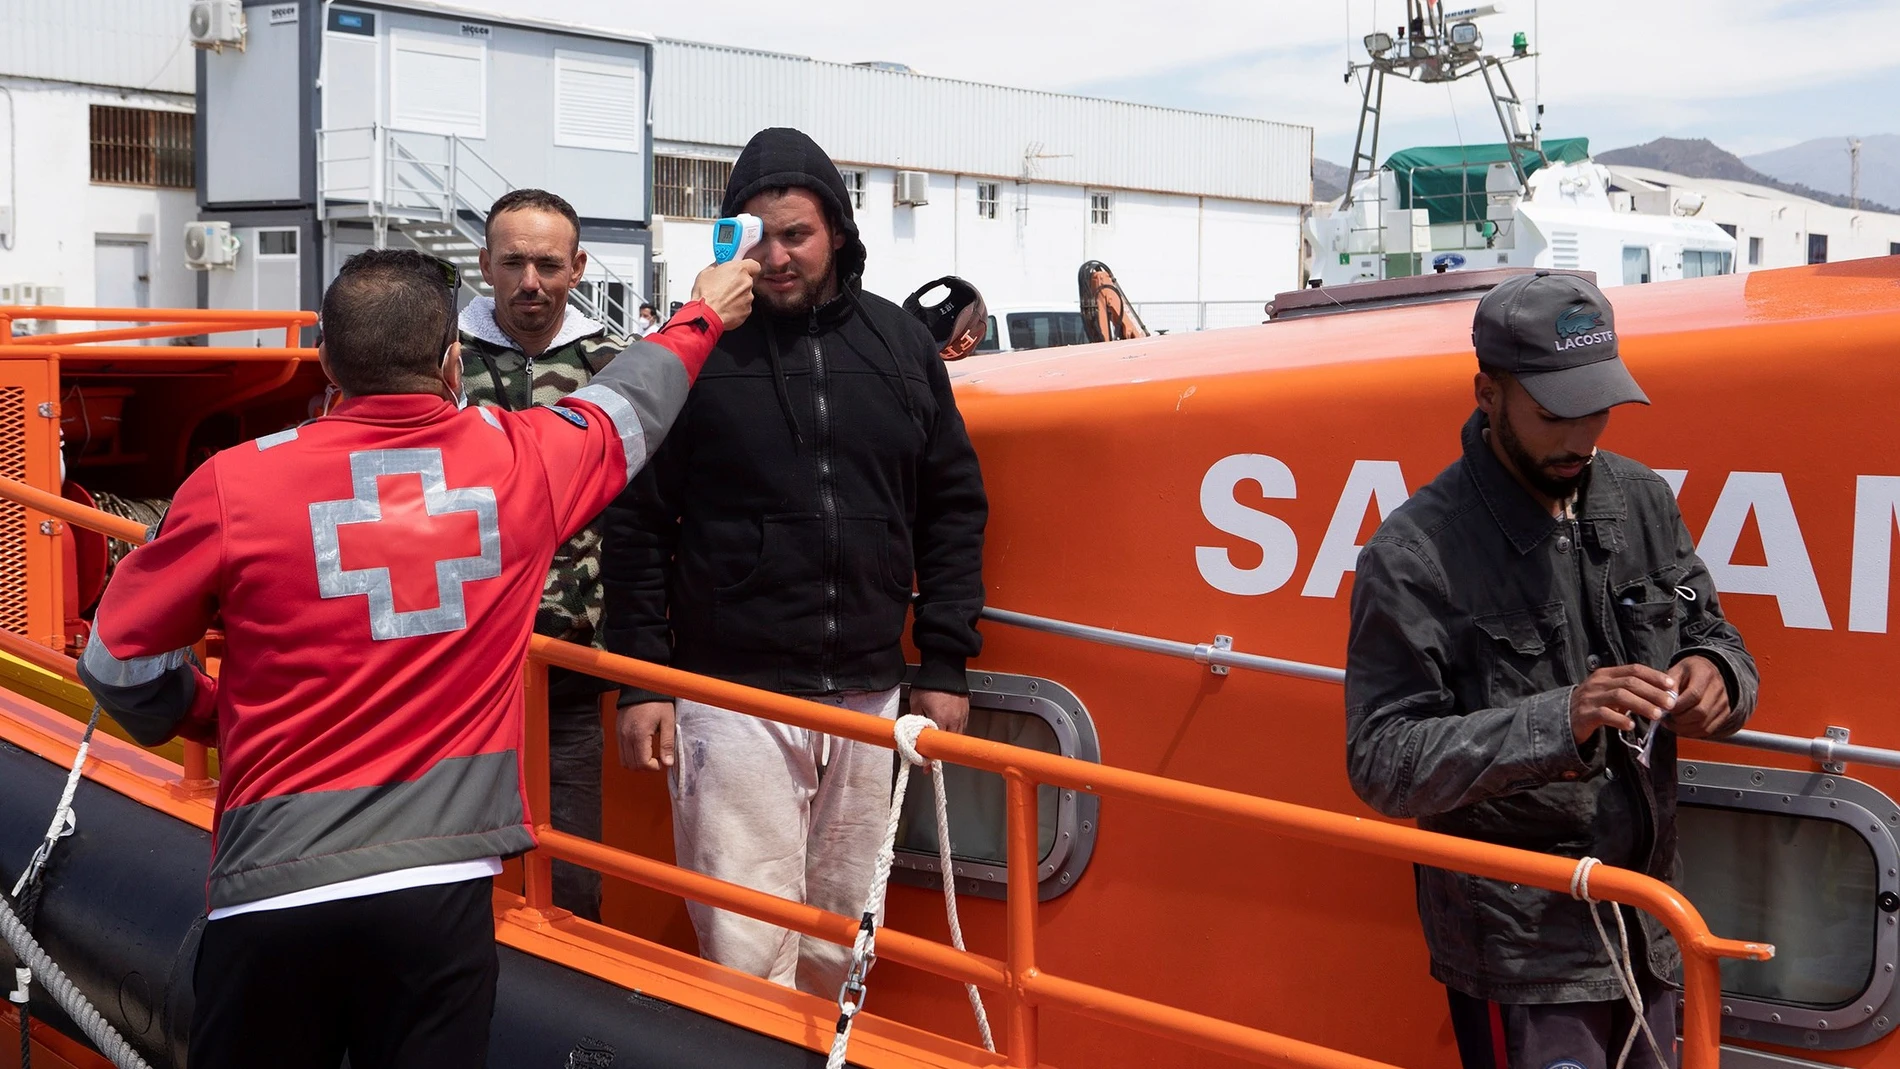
[{"x": 410, "y": 176}]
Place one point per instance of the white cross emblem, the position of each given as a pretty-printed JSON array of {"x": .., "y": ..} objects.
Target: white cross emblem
[{"x": 397, "y": 541}]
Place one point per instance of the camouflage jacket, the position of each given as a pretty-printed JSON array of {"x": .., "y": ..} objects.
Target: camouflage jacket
[{"x": 496, "y": 372}]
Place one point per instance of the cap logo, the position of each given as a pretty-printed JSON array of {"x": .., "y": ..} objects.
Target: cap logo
[
  {"x": 1580, "y": 319},
  {"x": 1578, "y": 326}
]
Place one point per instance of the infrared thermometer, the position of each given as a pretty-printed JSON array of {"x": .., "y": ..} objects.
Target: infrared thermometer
[{"x": 734, "y": 236}]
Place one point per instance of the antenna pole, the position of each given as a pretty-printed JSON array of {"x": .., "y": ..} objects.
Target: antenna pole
[{"x": 1853, "y": 176}]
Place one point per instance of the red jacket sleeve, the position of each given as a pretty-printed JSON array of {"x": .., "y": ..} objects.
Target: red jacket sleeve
[
  {"x": 161, "y": 599},
  {"x": 598, "y": 437}
]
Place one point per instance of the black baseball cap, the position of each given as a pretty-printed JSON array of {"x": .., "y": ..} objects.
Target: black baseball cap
[{"x": 1556, "y": 335}]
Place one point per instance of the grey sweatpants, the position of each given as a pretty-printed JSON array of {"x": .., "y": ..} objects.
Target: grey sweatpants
[{"x": 784, "y": 810}]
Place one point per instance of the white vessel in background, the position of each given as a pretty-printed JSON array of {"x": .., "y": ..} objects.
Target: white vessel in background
[{"x": 1524, "y": 202}]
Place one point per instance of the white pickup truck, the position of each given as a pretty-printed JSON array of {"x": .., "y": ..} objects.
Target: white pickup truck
[{"x": 1032, "y": 328}]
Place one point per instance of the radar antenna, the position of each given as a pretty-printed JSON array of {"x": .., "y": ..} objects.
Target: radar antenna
[{"x": 1436, "y": 45}]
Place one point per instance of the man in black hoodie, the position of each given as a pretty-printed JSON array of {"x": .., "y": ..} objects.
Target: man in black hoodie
[{"x": 820, "y": 469}]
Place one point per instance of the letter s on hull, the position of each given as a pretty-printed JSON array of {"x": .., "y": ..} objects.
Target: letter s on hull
[{"x": 1279, "y": 547}]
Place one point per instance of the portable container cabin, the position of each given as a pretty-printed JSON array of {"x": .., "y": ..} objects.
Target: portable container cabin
[{"x": 328, "y": 128}]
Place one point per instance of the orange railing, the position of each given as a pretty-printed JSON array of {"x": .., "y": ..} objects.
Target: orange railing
[
  {"x": 160, "y": 323},
  {"x": 1024, "y": 986}
]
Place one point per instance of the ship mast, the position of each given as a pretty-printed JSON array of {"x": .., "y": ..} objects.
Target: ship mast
[{"x": 1436, "y": 45}]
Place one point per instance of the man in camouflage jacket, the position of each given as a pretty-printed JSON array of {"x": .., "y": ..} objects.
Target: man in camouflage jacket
[{"x": 526, "y": 346}]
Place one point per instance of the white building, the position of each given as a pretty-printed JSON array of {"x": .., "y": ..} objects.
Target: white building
[
  {"x": 1198, "y": 215},
  {"x": 335, "y": 125},
  {"x": 96, "y": 153},
  {"x": 1771, "y": 228}
]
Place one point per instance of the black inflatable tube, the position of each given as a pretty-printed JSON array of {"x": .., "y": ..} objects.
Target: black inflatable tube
[{"x": 124, "y": 905}]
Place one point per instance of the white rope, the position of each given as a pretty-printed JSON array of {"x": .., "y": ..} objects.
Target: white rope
[
  {"x": 67, "y": 994},
  {"x": 1623, "y": 963},
  {"x": 65, "y": 821},
  {"x": 35, "y": 962},
  {"x": 863, "y": 949}
]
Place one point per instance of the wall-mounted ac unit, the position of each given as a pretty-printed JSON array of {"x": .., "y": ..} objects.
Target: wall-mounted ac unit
[
  {"x": 216, "y": 23},
  {"x": 913, "y": 188},
  {"x": 657, "y": 230},
  {"x": 210, "y": 244}
]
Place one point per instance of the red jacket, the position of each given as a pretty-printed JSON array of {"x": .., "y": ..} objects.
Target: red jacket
[{"x": 377, "y": 573}]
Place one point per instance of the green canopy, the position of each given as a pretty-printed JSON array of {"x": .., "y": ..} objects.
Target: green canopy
[{"x": 1449, "y": 181}]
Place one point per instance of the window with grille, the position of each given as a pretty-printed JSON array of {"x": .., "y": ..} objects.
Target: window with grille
[
  {"x": 1101, "y": 209},
  {"x": 986, "y": 200},
  {"x": 141, "y": 147},
  {"x": 687, "y": 188},
  {"x": 854, "y": 184}
]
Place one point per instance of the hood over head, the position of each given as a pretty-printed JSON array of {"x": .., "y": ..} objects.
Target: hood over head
[{"x": 784, "y": 158}]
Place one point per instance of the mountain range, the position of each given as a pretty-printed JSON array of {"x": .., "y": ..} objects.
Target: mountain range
[
  {"x": 1702, "y": 158},
  {"x": 1823, "y": 164}
]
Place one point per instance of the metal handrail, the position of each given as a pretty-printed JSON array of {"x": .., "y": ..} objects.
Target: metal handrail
[
  {"x": 1026, "y": 988},
  {"x": 1822, "y": 750},
  {"x": 462, "y": 182},
  {"x": 1208, "y": 653}
]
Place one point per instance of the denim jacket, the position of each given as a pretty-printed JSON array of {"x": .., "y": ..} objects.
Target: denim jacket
[{"x": 1475, "y": 614}]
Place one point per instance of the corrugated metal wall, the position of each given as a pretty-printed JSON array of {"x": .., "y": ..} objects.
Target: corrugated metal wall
[
  {"x": 131, "y": 44},
  {"x": 714, "y": 95}
]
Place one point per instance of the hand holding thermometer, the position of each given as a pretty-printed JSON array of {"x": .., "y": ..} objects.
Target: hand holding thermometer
[{"x": 734, "y": 236}]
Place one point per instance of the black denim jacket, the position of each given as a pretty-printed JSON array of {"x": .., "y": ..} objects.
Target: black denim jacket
[{"x": 1474, "y": 615}]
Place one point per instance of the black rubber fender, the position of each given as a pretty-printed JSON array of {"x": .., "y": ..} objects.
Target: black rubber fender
[{"x": 123, "y": 908}]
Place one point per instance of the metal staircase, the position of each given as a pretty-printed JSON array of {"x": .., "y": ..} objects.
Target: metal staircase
[{"x": 434, "y": 191}]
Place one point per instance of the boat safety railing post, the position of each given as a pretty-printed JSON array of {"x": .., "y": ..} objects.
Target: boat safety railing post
[
  {"x": 196, "y": 763},
  {"x": 1832, "y": 752},
  {"x": 536, "y": 866},
  {"x": 1022, "y": 908}
]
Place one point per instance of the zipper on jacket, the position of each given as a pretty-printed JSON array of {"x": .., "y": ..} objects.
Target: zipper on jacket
[{"x": 827, "y": 504}]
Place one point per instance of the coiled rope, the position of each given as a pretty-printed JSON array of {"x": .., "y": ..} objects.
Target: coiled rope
[
  {"x": 1623, "y": 963},
  {"x": 863, "y": 949},
  {"x": 35, "y": 963}
]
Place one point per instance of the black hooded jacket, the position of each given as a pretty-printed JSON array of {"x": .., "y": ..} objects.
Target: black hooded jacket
[{"x": 819, "y": 469}]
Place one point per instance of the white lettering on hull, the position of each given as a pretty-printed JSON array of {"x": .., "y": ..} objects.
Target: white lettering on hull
[
  {"x": 1787, "y": 573},
  {"x": 1876, "y": 504},
  {"x": 1280, "y": 547},
  {"x": 1369, "y": 481}
]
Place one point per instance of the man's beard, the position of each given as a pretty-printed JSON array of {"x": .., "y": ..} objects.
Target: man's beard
[
  {"x": 806, "y": 296},
  {"x": 1537, "y": 472}
]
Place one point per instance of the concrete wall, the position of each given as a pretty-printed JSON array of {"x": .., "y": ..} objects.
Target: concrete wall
[
  {"x": 1163, "y": 247},
  {"x": 58, "y": 215},
  {"x": 1784, "y": 227}
]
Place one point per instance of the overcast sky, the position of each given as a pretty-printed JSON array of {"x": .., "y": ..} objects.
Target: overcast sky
[{"x": 1752, "y": 75}]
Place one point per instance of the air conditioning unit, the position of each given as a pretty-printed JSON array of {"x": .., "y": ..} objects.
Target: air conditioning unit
[
  {"x": 658, "y": 232},
  {"x": 210, "y": 244},
  {"x": 913, "y": 188},
  {"x": 216, "y": 23}
]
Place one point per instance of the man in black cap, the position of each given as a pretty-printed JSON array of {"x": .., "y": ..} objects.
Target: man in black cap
[
  {"x": 1531, "y": 632},
  {"x": 819, "y": 471}
]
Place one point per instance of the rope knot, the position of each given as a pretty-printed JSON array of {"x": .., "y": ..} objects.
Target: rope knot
[
  {"x": 1580, "y": 879},
  {"x": 906, "y": 730}
]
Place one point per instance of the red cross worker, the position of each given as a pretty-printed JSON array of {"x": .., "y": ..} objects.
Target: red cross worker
[{"x": 376, "y": 572}]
